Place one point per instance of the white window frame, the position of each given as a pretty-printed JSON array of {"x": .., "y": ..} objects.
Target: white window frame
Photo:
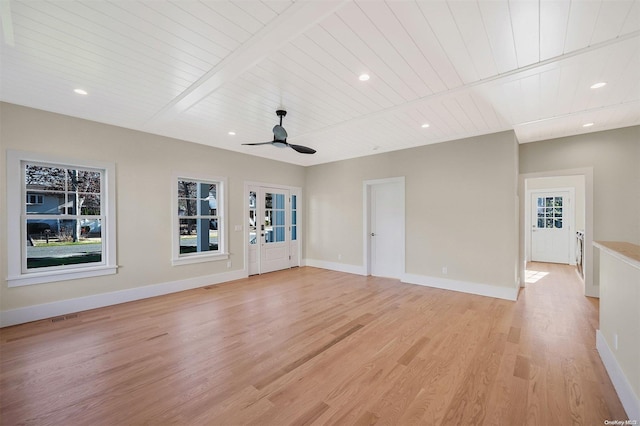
[
  {"x": 17, "y": 273},
  {"x": 223, "y": 230}
]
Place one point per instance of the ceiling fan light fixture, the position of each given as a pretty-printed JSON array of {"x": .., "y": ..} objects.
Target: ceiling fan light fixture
[
  {"x": 280, "y": 138},
  {"x": 364, "y": 77},
  {"x": 598, "y": 85}
]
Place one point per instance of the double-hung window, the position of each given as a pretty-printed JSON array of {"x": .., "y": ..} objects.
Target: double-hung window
[
  {"x": 199, "y": 231},
  {"x": 61, "y": 219}
]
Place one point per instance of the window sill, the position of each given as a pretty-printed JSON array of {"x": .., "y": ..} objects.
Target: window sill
[
  {"x": 53, "y": 276},
  {"x": 187, "y": 260}
]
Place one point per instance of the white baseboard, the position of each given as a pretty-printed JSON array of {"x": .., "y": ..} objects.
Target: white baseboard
[
  {"x": 63, "y": 307},
  {"x": 461, "y": 286},
  {"x": 335, "y": 266},
  {"x": 592, "y": 291},
  {"x": 508, "y": 293},
  {"x": 630, "y": 401}
]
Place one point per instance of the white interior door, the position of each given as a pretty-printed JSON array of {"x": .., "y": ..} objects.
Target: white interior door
[
  {"x": 387, "y": 228},
  {"x": 550, "y": 227}
]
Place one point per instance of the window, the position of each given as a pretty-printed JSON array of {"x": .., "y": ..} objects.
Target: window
[
  {"x": 200, "y": 230},
  {"x": 35, "y": 199},
  {"x": 274, "y": 220},
  {"x": 253, "y": 214},
  {"x": 550, "y": 212},
  {"x": 66, "y": 219},
  {"x": 294, "y": 217}
]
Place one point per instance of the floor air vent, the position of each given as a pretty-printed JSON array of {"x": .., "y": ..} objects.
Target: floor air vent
[{"x": 64, "y": 317}]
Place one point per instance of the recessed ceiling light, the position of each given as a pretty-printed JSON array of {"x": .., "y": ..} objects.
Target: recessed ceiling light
[
  {"x": 587, "y": 125},
  {"x": 80, "y": 91},
  {"x": 598, "y": 85},
  {"x": 425, "y": 125},
  {"x": 364, "y": 77},
  {"x": 232, "y": 133}
]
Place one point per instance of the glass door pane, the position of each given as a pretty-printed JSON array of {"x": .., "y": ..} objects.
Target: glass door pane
[
  {"x": 274, "y": 222},
  {"x": 253, "y": 216},
  {"x": 294, "y": 218}
]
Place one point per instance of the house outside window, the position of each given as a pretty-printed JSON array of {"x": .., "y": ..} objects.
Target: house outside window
[
  {"x": 199, "y": 231},
  {"x": 65, "y": 221}
]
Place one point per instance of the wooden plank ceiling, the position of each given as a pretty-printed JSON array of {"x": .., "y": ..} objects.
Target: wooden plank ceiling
[{"x": 197, "y": 70}]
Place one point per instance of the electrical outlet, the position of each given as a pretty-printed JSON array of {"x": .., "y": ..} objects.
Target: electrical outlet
[
  {"x": 339, "y": 257},
  {"x": 229, "y": 264},
  {"x": 444, "y": 270},
  {"x": 615, "y": 341}
]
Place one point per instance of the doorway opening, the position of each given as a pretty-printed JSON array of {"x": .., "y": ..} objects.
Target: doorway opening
[{"x": 556, "y": 222}]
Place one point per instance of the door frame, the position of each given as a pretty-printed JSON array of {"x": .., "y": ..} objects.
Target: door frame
[
  {"x": 572, "y": 221},
  {"x": 591, "y": 282},
  {"x": 366, "y": 219},
  {"x": 293, "y": 190}
]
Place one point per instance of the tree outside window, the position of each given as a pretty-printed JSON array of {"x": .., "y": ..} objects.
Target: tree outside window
[{"x": 65, "y": 226}]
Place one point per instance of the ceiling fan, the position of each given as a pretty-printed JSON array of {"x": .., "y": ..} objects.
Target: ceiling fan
[{"x": 280, "y": 137}]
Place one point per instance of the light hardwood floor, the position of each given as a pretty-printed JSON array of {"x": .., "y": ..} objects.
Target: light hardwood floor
[{"x": 310, "y": 346}]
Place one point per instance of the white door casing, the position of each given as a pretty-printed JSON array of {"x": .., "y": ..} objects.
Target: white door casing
[
  {"x": 294, "y": 228},
  {"x": 253, "y": 243}
]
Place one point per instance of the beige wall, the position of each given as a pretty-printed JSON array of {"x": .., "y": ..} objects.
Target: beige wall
[
  {"x": 461, "y": 199},
  {"x": 615, "y": 158},
  {"x": 460, "y": 208},
  {"x": 144, "y": 167}
]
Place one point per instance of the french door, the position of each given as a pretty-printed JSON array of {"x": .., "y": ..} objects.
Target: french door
[{"x": 273, "y": 229}]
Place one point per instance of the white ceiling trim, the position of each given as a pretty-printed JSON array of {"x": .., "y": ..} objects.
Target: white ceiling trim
[
  {"x": 7, "y": 22},
  {"x": 576, "y": 114},
  {"x": 295, "y": 20},
  {"x": 493, "y": 80}
]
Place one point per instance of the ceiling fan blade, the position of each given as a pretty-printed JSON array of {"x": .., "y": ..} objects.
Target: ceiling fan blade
[
  {"x": 258, "y": 143},
  {"x": 303, "y": 149},
  {"x": 279, "y": 132}
]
